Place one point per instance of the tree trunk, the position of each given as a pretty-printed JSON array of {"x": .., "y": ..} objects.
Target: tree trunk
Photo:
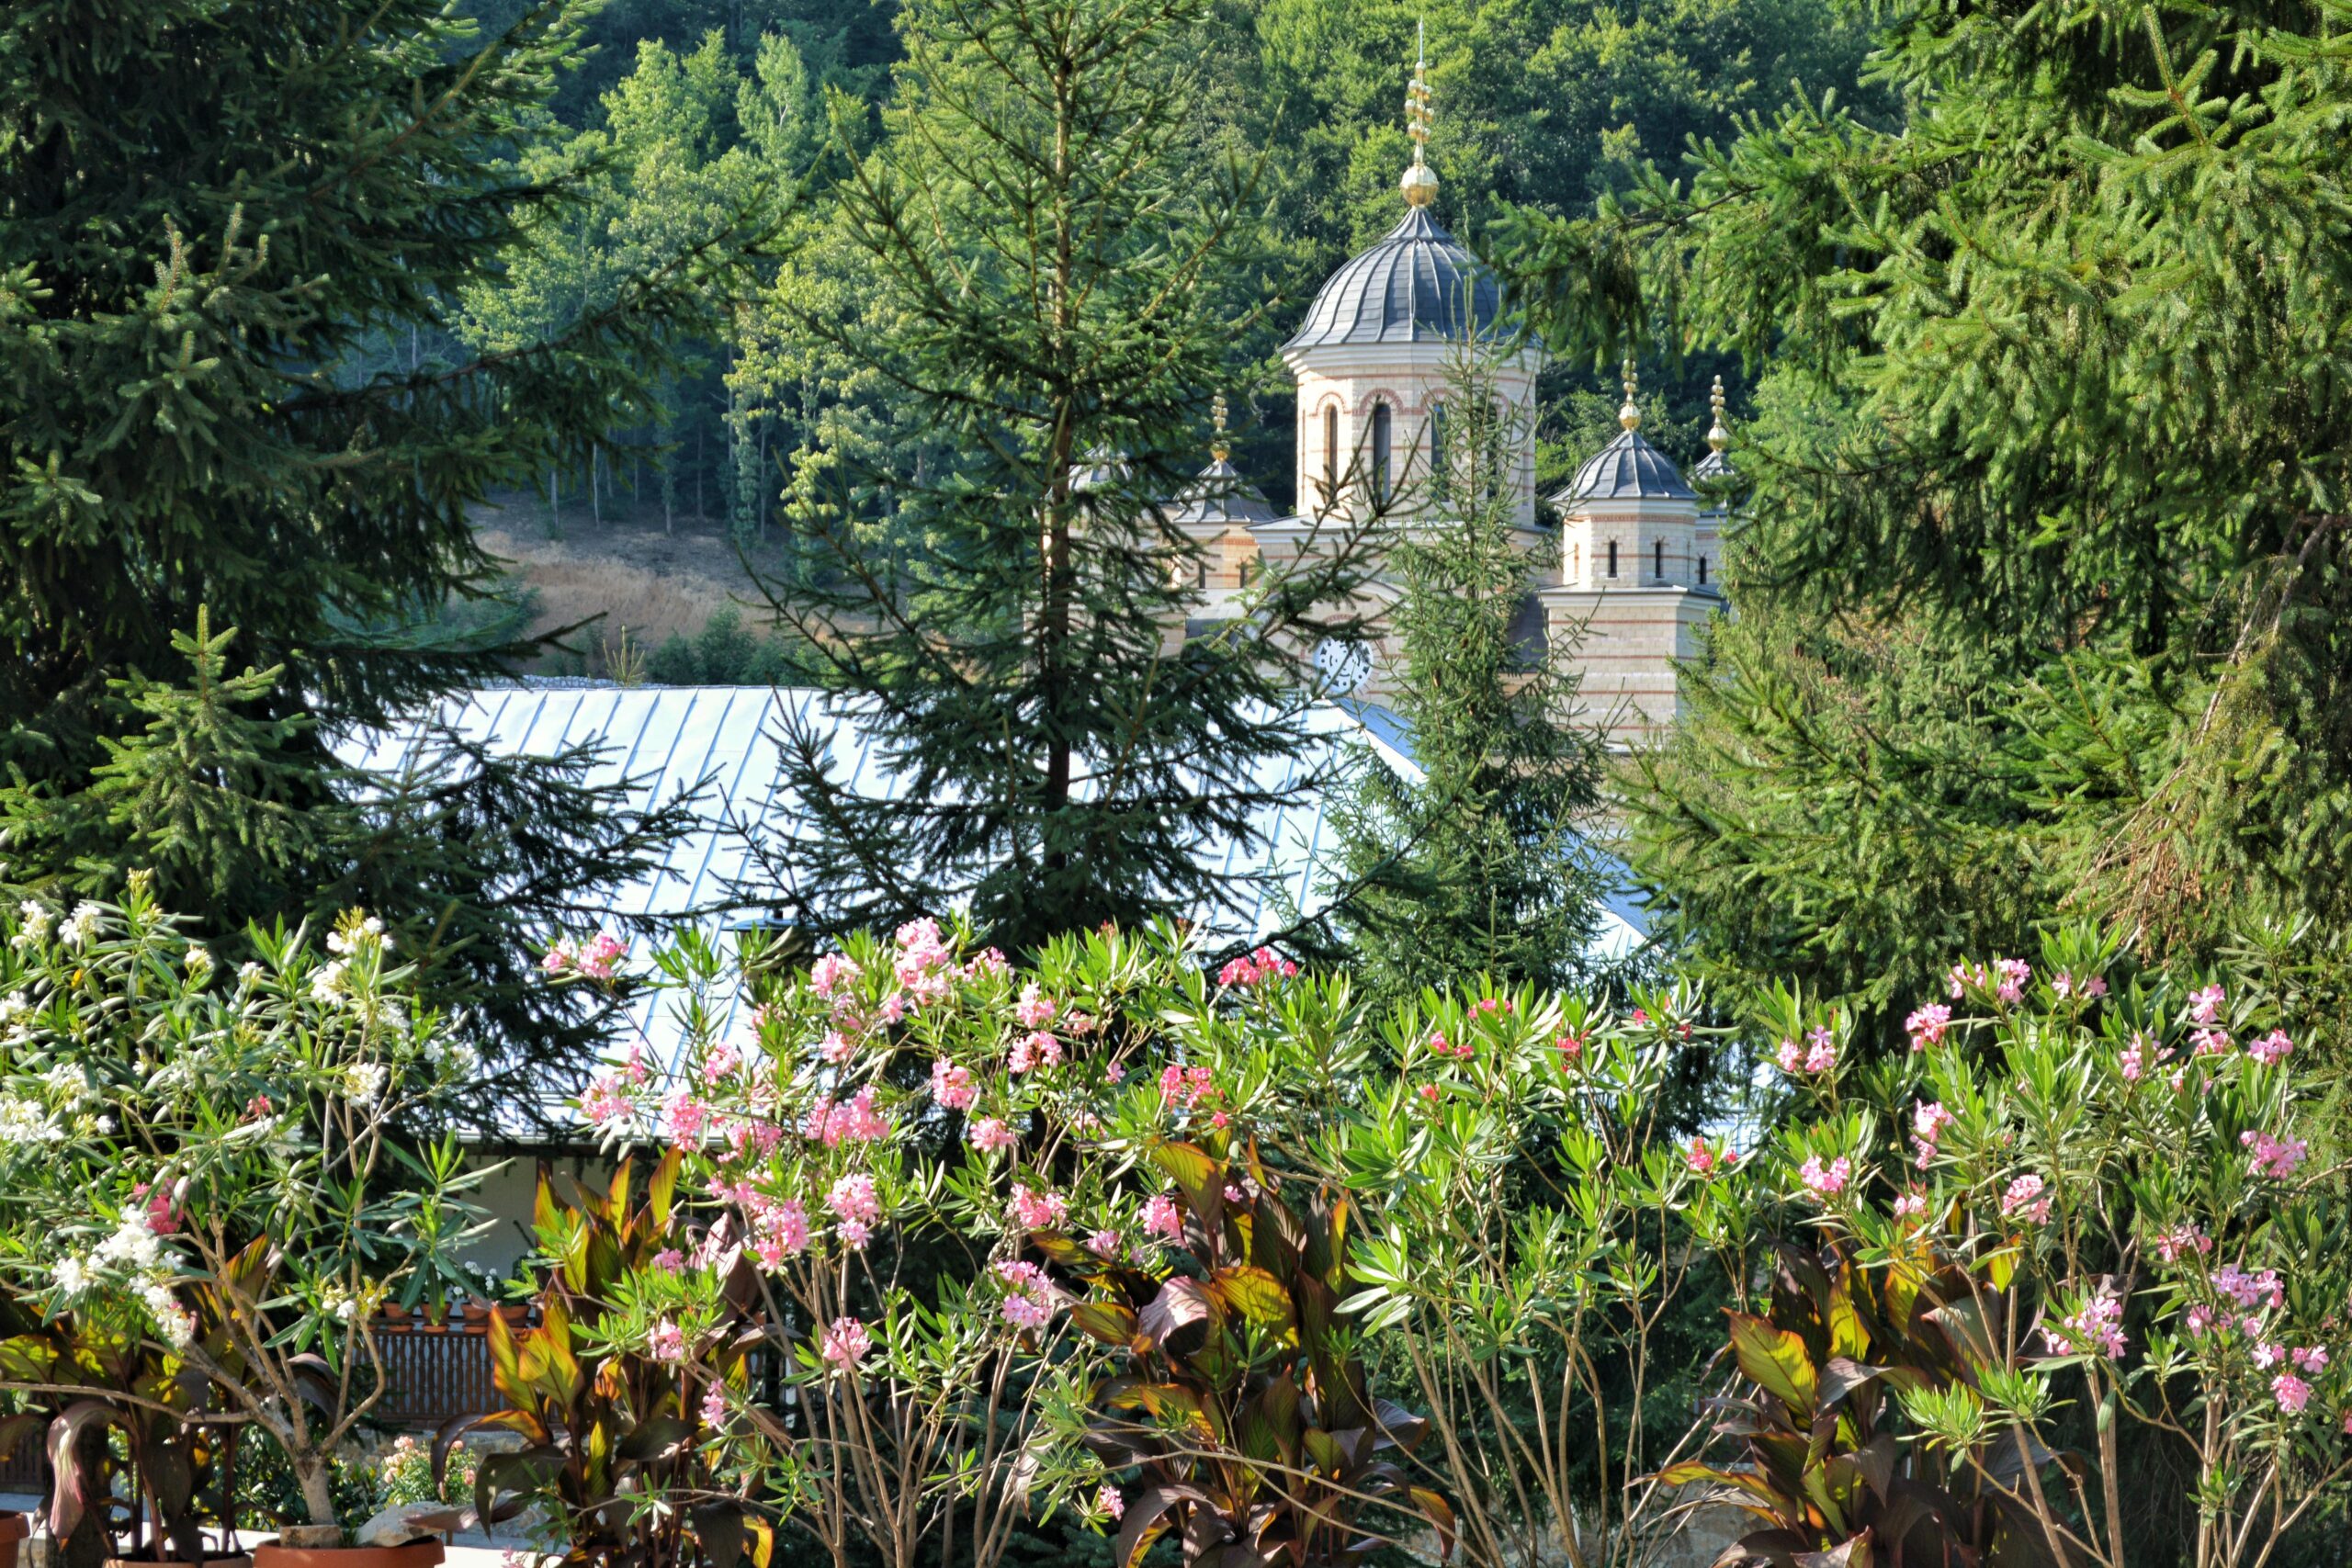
[
  {"x": 316, "y": 1479},
  {"x": 700, "y": 515},
  {"x": 595, "y": 490},
  {"x": 555, "y": 518}
]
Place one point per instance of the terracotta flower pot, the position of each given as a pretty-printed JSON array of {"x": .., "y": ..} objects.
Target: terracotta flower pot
[
  {"x": 13, "y": 1528},
  {"x": 238, "y": 1559},
  {"x": 417, "y": 1554}
]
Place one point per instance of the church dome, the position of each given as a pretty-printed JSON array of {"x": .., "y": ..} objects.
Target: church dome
[
  {"x": 1417, "y": 284},
  {"x": 1220, "y": 496},
  {"x": 1628, "y": 469}
]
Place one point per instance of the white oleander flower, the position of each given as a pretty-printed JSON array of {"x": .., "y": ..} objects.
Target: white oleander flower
[
  {"x": 133, "y": 1243},
  {"x": 14, "y": 1006},
  {"x": 198, "y": 959},
  {"x": 362, "y": 1082},
  {"x": 81, "y": 928},
  {"x": 327, "y": 981},
  {"x": 32, "y": 925},
  {"x": 249, "y": 973},
  {"x": 71, "y": 1274},
  {"x": 26, "y": 1121}
]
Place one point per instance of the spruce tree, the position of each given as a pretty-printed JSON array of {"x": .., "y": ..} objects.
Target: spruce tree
[
  {"x": 1005, "y": 623},
  {"x": 212, "y": 219},
  {"x": 1482, "y": 865},
  {"x": 2048, "y": 536}
]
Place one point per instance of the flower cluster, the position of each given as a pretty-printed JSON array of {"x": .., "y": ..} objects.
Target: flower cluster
[
  {"x": 1926, "y": 1026},
  {"x": 1825, "y": 1180},
  {"x": 1818, "y": 1054},
  {"x": 1256, "y": 968},
  {"x": 598, "y": 958},
  {"x": 2274, "y": 1156},
  {"x": 2026, "y": 1200},
  {"x": 2096, "y": 1327}
]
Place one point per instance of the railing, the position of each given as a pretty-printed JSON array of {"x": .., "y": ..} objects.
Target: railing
[{"x": 433, "y": 1373}]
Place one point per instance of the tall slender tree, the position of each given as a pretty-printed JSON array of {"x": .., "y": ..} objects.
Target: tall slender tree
[
  {"x": 1481, "y": 864},
  {"x": 1044, "y": 253}
]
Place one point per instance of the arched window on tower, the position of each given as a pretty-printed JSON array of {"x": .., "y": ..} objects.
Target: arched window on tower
[
  {"x": 1702, "y": 572},
  {"x": 1660, "y": 551},
  {"x": 1380, "y": 448},
  {"x": 1332, "y": 449},
  {"x": 1612, "y": 557}
]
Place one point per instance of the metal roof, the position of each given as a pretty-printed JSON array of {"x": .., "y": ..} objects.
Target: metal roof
[
  {"x": 1219, "y": 495},
  {"x": 1628, "y": 469},
  {"x": 663, "y": 741},
  {"x": 1417, "y": 284}
]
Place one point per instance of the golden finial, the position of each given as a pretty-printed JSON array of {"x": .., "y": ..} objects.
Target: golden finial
[
  {"x": 1630, "y": 416},
  {"x": 1420, "y": 184},
  {"x": 1717, "y": 437},
  {"x": 1217, "y": 446}
]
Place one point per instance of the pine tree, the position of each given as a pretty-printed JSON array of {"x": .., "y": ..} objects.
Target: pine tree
[
  {"x": 2048, "y": 540},
  {"x": 216, "y": 217},
  {"x": 1005, "y": 621},
  {"x": 1481, "y": 866}
]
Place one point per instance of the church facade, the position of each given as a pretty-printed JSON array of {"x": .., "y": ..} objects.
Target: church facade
[{"x": 1625, "y": 564}]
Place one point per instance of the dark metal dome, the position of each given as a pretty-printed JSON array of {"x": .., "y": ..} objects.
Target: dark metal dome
[
  {"x": 1628, "y": 469},
  {"x": 1714, "y": 465},
  {"x": 1220, "y": 495},
  {"x": 1417, "y": 284}
]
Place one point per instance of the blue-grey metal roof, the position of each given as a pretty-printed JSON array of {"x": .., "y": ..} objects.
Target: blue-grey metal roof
[
  {"x": 1417, "y": 284},
  {"x": 1220, "y": 495},
  {"x": 1628, "y": 469},
  {"x": 1714, "y": 465},
  {"x": 661, "y": 742}
]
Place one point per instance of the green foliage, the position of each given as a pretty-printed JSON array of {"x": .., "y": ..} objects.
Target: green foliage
[
  {"x": 723, "y": 654},
  {"x": 2040, "y": 578},
  {"x": 612, "y": 1442},
  {"x": 1045, "y": 259},
  {"x": 1822, "y": 1464},
  {"x": 226, "y": 227},
  {"x": 1479, "y": 866},
  {"x": 1246, "y": 1359}
]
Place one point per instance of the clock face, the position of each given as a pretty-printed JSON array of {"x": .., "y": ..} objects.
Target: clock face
[{"x": 1343, "y": 666}]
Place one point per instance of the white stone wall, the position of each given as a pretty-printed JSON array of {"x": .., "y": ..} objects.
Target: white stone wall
[
  {"x": 1412, "y": 379},
  {"x": 1624, "y": 642}
]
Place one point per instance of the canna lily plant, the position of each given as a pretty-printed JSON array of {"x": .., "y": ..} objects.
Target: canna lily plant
[{"x": 225, "y": 1166}]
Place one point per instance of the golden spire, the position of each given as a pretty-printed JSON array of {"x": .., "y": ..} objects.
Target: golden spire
[
  {"x": 1420, "y": 184},
  {"x": 1717, "y": 437},
  {"x": 1217, "y": 446},
  {"x": 1630, "y": 416}
]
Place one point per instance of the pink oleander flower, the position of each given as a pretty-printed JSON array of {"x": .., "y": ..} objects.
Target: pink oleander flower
[
  {"x": 1700, "y": 1158},
  {"x": 1035, "y": 1050},
  {"x": 839, "y": 1048},
  {"x": 2013, "y": 973},
  {"x": 635, "y": 1068},
  {"x": 598, "y": 958},
  {"x": 2136, "y": 1057},
  {"x": 925, "y": 970},
  {"x": 260, "y": 1109},
  {"x": 1162, "y": 1219},
  {"x": 668, "y": 1342},
  {"x": 2278, "y": 1158},
  {"x": 2213, "y": 1043},
  {"x": 669, "y": 1260},
  {"x": 2097, "y": 1326},
  {"x": 1035, "y": 1010},
  {"x": 1112, "y": 1507},
  {"x": 1963, "y": 976},
  {"x": 1789, "y": 1057},
  {"x": 2250, "y": 1290},
  {"x": 2181, "y": 1241},
  {"x": 1570, "y": 1046},
  {"x": 2025, "y": 1200},
  {"x": 2308, "y": 1358},
  {"x": 559, "y": 958},
  {"x": 953, "y": 1086},
  {"x": 1256, "y": 969},
  {"x": 1926, "y": 1026},
  {"x": 1114, "y": 1072},
  {"x": 1911, "y": 1206},
  {"x": 724, "y": 1062},
  {"x": 853, "y": 1198},
  {"x": 714, "y": 1405},
  {"x": 990, "y": 1135},
  {"x": 1030, "y": 1298},
  {"x": 986, "y": 964},
  {"x": 2267, "y": 1355},
  {"x": 605, "y": 1101},
  {"x": 855, "y": 1234},
  {"x": 2291, "y": 1391},
  {"x": 1186, "y": 1086},
  {"x": 747, "y": 1139},
  {"x": 1825, "y": 1180},
  {"x": 778, "y": 1230},
  {"x": 846, "y": 1343},
  {"x": 2271, "y": 1049},
  {"x": 1037, "y": 1209},
  {"x": 1928, "y": 1120},
  {"x": 1103, "y": 1244},
  {"x": 1429, "y": 1092},
  {"x": 2205, "y": 1006},
  {"x": 686, "y": 1116},
  {"x": 833, "y": 973},
  {"x": 2200, "y": 1318},
  {"x": 1821, "y": 1051}
]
